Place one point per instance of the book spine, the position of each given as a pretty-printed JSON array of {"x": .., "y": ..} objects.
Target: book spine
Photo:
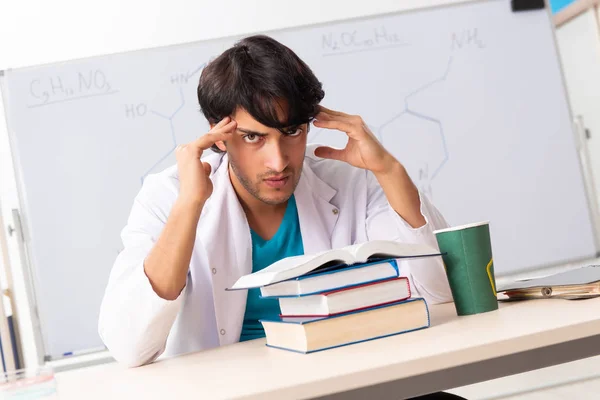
[
  {"x": 350, "y": 343},
  {"x": 322, "y": 291},
  {"x": 378, "y": 282},
  {"x": 331, "y": 271},
  {"x": 427, "y": 311},
  {"x": 347, "y": 311}
]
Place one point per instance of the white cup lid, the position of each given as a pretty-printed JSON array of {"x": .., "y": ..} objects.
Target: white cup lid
[{"x": 461, "y": 227}]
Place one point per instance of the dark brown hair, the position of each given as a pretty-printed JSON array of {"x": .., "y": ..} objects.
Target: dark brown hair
[{"x": 256, "y": 74}]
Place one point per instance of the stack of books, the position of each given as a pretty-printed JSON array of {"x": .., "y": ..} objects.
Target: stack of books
[{"x": 341, "y": 296}]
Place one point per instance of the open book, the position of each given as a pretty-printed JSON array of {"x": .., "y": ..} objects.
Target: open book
[{"x": 293, "y": 267}]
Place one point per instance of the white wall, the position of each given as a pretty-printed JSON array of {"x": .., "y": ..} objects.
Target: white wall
[{"x": 37, "y": 31}]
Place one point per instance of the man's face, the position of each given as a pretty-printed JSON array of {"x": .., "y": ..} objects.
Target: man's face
[{"x": 265, "y": 162}]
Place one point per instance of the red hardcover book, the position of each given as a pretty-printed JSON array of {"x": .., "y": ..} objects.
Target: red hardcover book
[{"x": 345, "y": 300}]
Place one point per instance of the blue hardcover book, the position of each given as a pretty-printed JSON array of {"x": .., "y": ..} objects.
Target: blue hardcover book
[
  {"x": 336, "y": 277},
  {"x": 308, "y": 335}
]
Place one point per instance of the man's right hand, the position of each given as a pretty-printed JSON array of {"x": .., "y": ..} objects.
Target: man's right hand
[
  {"x": 168, "y": 262},
  {"x": 195, "y": 184}
]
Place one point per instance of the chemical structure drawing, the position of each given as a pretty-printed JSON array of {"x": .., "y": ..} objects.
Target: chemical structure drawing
[
  {"x": 415, "y": 137},
  {"x": 168, "y": 118},
  {"x": 411, "y": 133},
  {"x": 179, "y": 79},
  {"x": 412, "y": 136},
  {"x": 406, "y": 134}
]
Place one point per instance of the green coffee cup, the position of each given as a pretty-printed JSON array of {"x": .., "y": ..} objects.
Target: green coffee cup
[{"x": 469, "y": 266}]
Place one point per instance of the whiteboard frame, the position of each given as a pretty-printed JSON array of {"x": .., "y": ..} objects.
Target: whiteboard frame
[
  {"x": 22, "y": 229},
  {"x": 26, "y": 253}
]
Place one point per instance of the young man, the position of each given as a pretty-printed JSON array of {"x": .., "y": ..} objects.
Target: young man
[{"x": 195, "y": 228}]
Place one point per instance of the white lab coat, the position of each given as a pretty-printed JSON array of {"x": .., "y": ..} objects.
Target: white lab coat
[{"x": 338, "y": 205}]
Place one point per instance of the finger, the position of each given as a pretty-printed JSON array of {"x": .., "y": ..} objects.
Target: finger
[
  {"x": 326, "y": 116},
  {"x": 205, "y": 141},
  {"x": 212, "y": 136},
  {"x": 336, "y": 124},
  {"x": 332, "y": 112},
  {"x": 330, "y": 152},
  {"x": 330, "y": 117},
  {"x": 207, "y": 168},
  {"x": 221, "y": 123},
  {"x": 230, "y": 126}
]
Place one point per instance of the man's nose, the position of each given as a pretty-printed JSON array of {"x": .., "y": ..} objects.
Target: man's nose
[{"x": 276, "y": 159}]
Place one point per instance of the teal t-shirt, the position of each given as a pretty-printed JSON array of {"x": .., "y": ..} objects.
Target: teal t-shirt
[{"x": 286, "y": 242}]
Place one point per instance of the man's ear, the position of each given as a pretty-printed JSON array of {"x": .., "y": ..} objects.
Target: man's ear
[{"x": 221, "y": 145}]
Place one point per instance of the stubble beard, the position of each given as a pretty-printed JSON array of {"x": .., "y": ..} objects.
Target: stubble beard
[{"x": 253, "y": 189}]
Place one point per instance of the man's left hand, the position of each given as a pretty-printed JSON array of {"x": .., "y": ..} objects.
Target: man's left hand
[{"x": 363, "y": 150}]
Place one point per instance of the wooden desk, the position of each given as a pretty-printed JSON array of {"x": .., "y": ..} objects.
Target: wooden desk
[{"x": 455, "y": 351}]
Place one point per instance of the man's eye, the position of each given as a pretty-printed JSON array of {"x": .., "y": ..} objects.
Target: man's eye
[
  {"x": 294, "y": 133},
  {"x": 251, "y": 138}
]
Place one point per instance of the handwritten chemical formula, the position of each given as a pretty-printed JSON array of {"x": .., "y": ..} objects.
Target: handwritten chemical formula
[
  {"x": 357, "y": 40},
  {"x": 58, "y": 89}
]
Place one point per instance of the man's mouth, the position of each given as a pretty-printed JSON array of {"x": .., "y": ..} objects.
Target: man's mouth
[{"x": 278, "y": 181}]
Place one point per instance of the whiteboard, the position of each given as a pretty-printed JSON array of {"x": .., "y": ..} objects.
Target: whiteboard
[{"x": 469, "y": 97}]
